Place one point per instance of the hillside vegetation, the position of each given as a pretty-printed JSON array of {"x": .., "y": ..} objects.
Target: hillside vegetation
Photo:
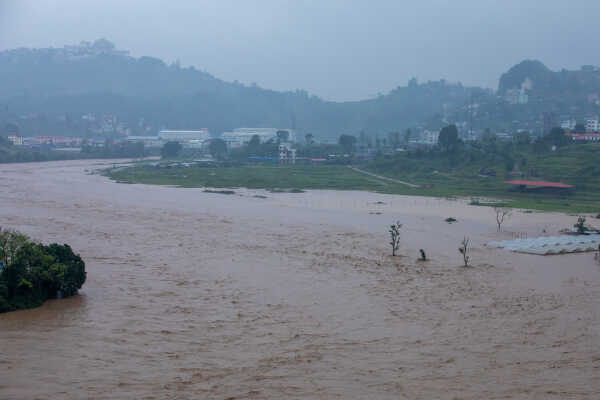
[{"x": 48, "y": 91}]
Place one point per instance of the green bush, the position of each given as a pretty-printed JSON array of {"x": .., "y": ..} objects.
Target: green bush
[{"x": 32, "y": 272}]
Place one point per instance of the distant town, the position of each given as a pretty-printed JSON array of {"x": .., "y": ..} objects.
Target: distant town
[{"x": 108, "y": 129}]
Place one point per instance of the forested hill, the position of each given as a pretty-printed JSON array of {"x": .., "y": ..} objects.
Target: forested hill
[
  {"x": 97, "y": 78},
  {"x": 48, "y": 91},
  {"x": 541, "y": 82}
]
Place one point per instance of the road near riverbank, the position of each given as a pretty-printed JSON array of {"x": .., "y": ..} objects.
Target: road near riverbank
[{"x": 201, "y": 295}]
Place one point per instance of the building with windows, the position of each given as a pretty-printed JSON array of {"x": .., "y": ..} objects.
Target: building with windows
[
  {"x": 592, "y": 124},
  {"x": 242, "y": 136},
  {"x": 287, "y": 154},
  {"x": 16, "y": 140},
  {"x": 568, "y": 124},
  {"x": 148, "y": 141},
  {"x": 184, "y": 136}
]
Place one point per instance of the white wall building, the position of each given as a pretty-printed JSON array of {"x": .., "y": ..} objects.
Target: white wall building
[
  {"x": 16, "y": 140},
  {"x": 592, "y": 124},
  {"x": 241, "y": 136},
  {"x": 184, "y": 136},
  {"x": 149, "y": 141},
  {"x": 568, "y": 124},
  {"x": 287, "y": 154},
  {"x": 430, "y": 137}
]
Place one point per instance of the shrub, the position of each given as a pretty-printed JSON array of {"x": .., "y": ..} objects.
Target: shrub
[
  {"x": 580, "y": 225},
  {"x": 32, "y": 272}
]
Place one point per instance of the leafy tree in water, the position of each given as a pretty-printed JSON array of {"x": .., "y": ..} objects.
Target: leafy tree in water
[
  {"x": 580, "y": 226},
  {"x": 32, "y": 272},
  {"x": 347, "y": 142},
  {"x": 217, "y": 148},
  {"x": 579, "y": 128},
  {"x": 448, "y": 138},
  {"x": 171, "y": 150}
]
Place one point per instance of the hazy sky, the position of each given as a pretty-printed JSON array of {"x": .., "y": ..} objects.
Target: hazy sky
[{"x": 337, "y": 49}]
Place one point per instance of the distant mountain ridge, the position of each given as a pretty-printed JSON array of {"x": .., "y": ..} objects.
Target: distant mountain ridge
[{"x": 54, "y": 87}]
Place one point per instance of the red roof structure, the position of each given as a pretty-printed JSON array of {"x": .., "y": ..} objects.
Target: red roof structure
[
  {"x": 594, "y": 137},
  {"x": 540, "y": 184}
]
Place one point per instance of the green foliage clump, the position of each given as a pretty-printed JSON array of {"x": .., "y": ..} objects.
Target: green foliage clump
[
  {"x": 580, "y": 226},
  {"x": 32, "y": 272},
  {"x": 171, "y": 149}
]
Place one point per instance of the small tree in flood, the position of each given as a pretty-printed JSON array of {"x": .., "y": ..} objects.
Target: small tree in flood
[
  {"x": 395, "y": 236},
  {"x": 501, "y": 214},
  {"x": 580, "y": 226},
  {"x": 464, "y": 250}
]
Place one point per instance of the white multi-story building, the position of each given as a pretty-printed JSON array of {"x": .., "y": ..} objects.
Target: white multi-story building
[
  {"x": 184, "y": 136},
  {"x": 16, "y": 140},
  {"x": 592, "y": 124},
  {"x": 430, "y": 137},
  {"x": 241, "y": 136},
  {"x": 568, "y": 124},
  {"x": 148, "y": 141},
  {"x": 287, "y": 154}
]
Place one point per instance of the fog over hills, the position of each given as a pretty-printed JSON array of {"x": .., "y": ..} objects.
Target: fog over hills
[{"x": 98, "y": 78}]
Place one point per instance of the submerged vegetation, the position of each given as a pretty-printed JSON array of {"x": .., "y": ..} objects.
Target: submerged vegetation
[
  {"x": 31, "y": 273},
  {"x": 469, "y": 171}
]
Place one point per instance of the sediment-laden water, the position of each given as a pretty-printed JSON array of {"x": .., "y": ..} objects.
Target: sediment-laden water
[{"x": 199, "y": 295}]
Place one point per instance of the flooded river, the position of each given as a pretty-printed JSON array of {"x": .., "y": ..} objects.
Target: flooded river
[{"x": 194, "y": 295}]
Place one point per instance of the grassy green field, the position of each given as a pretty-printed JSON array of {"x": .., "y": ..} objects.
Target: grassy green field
[{"x": 577, "y": 165}]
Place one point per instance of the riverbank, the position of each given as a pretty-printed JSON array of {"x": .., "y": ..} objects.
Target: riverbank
[
  {"x": 291, "y": 295},
  {"x": 339, "y": 177}
]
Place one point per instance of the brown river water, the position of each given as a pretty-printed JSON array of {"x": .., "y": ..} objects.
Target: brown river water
[{"x": 194, "y": 295}]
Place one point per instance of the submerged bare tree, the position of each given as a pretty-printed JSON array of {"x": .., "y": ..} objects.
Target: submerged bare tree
[
  {"x": 501, "y": 214},
  {"x": 395, "y": 236},
  {"x": 464, "y": 250}
]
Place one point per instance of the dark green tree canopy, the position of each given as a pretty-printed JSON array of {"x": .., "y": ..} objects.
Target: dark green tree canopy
[
  {"x": 448, "y": 138},
  {"x": 557, "y": 137},
  {"x": 32, "y": 272},
  {"x": 347, "y": 142},
  {"x": 579, "y": 128},
  {"x": 217, "y": 148},
  {"x": 171, "y": 150},
  {"x": 283, "y": 136}
]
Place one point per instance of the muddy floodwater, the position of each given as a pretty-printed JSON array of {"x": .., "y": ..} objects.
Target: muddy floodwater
[{"x": 194, "y": 295}]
